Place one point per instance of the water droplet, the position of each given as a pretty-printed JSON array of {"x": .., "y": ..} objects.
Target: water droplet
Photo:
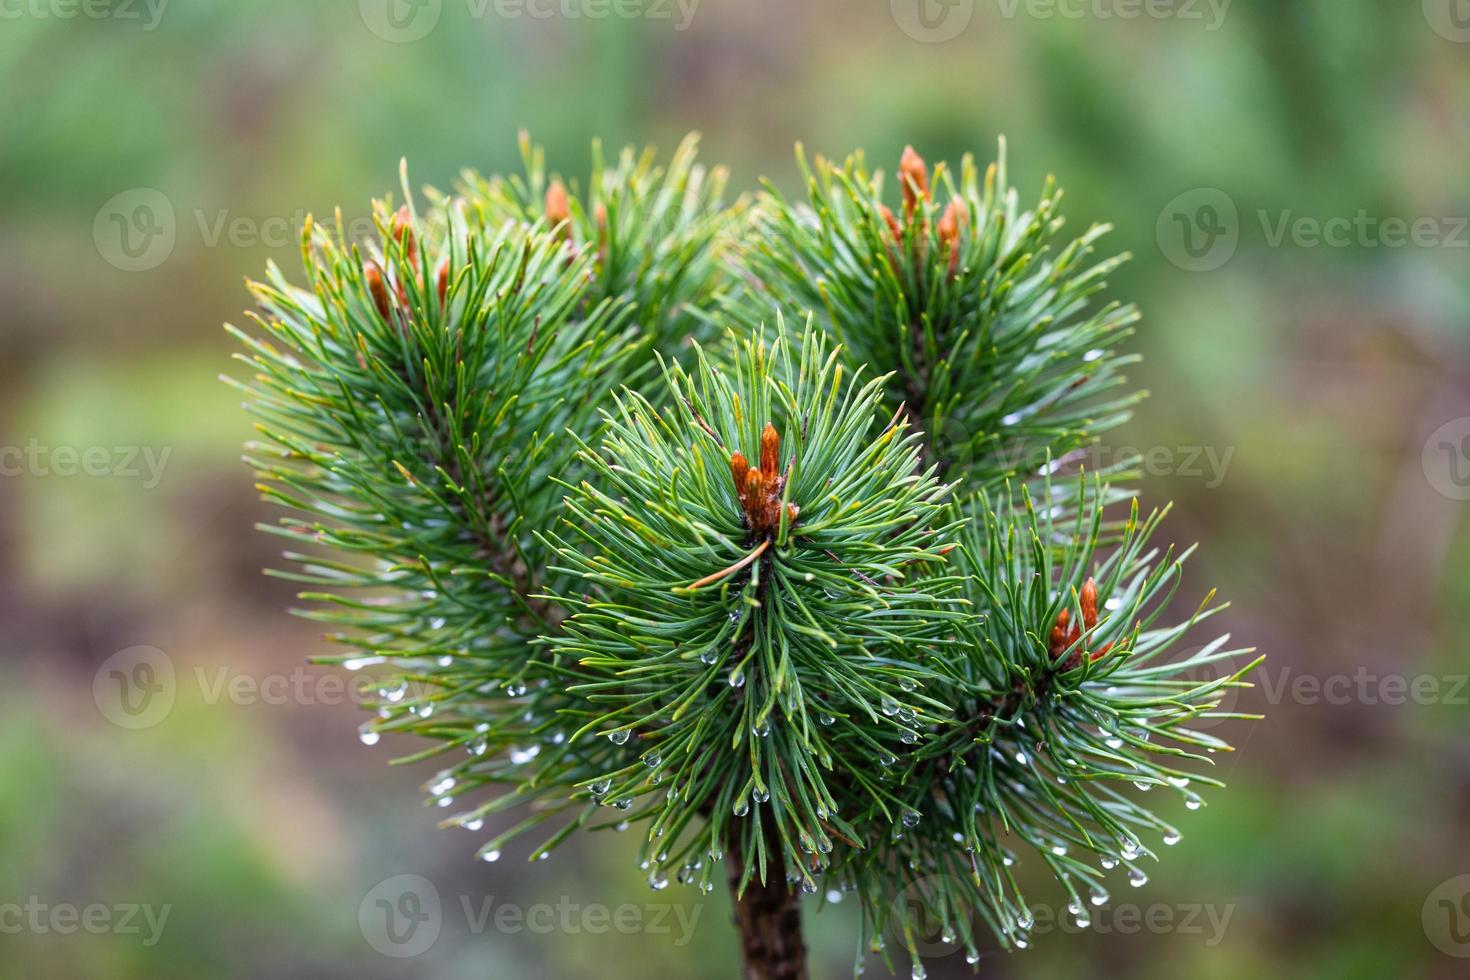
[
  {"x": 737, "y": 678},
  {"x": 442, "y": 786},
  {"x": 741, "y": 807},
  {"x": 600, "y": 787},
  {"x": 909, "y": 738},
  {"x": 1130, "y": 848},
  {"x": 1193, "y": 802},
  {"x": 1082, "y": 920},
  {"x": 760, "y": 794},
  {"x": 624, "y": 804},
  {"x": 834, "y": 896},
  {"x": 621, "y": 826},
  {"x": 762, "y": 728},
  {"x": 619, "y": 737},
  {"x": 918, "y": 972},
  {"x": 393, "y": 693},
  {"x": 1171, "y": 836},
  {"x": 1113, "y": 742},
  {"x": 474, "y": 824},
  {"x": 1059, "y": 850},
  {"x": 708, "y": 657},
  {"x": 888, "y": 706},
  {"x": 658, "y": 881},
  {"x": 491, "y": 856},
  {"x": 1098, "y": 897},
  {"x": 826, "y": 720},
  {"x": 366, "y": 735},
  {"x": 886, "y": 761},
  {"x": 1020, "y": 942},
  {"x": 1109, "y": 862},
  {"x": 1179, "y": 781},
  {"x": 520, "y": 757},
  {"x": 652, "y": 759},
  {"x": 1021, "y": 758},
  {"x": 515, "y": 689},
  {"x": 972, "y": 957},
  {"x": 358, "y": 663},
  {"x": 444, "y": 801},
  {"x": 1145, "y": 787},
  {"x": 911, "y": 818},
  {"x": 1137, "y": 878}
]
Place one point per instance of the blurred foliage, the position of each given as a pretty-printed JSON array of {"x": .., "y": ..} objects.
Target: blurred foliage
[{"x": 1323, "y": 368}]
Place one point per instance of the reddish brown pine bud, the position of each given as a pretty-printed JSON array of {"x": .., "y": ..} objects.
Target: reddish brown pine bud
[
  {"x": 791, "y": 511},
  {"x": 770, "y": 449},
  {"x": 755, "y": 493},
  {"x": 403, "y": 234},
  {"x": 954, "y": 218},
  {"x": 441, "y": 279},
  {"x": 893, "y": 227},
  {"x": 558, "y": 209},
  {"x": 1059, "y": 640},
  {"x": 377, "y": 288},
  {"x": 599, "y": 215},
  {"x": 1088, "y": 597},
  {"x": 738, "y": 468},
  {"x": 915, "y": 178}
]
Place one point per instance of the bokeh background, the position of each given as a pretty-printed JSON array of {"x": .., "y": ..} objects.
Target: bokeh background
[{"x": 1310, "y": 395}]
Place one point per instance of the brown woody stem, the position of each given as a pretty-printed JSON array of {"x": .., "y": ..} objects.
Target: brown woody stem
[{"x": 767, "y": 916}]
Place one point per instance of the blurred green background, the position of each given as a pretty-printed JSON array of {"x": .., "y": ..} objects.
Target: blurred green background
[{"x": 1309, "y": 419}]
